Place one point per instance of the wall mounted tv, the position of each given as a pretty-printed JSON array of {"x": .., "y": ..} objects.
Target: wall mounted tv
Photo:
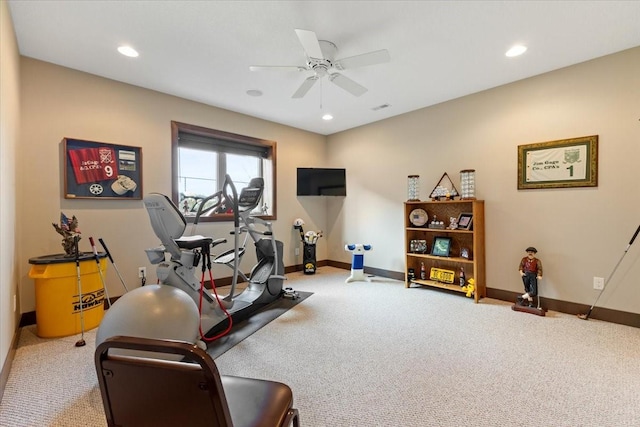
[{"x": 321, "y": 182}]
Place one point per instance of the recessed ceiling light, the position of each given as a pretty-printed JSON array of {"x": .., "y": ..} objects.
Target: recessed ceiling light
[
  {"x": 327, "y": 117},
  {"x": 128, "y": 51},
  {"x": 254, "y": 92},
  {"x": 516, "y": 50}
]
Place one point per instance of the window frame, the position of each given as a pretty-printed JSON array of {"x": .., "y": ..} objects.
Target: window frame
[{"x": 270, "y": 146}]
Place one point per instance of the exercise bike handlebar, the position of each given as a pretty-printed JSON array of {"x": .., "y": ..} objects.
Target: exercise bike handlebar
[
  {"x": 203, "y": 202},
  {"x": 234, "y": 200},
  {"x": 228, "y": 183}
]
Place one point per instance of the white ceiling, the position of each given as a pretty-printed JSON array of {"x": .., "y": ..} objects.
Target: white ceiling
[{"x": 440, "y": 50}]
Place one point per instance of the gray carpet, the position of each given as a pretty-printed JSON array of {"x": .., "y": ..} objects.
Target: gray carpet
[{"x": 378, "y": 354}]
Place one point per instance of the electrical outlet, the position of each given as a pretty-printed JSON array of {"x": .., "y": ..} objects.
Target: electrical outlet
[
  {"x": 598, "y": 283},
  {"x": 142, "y": 272},
  {"x": 296, "y": 251}
]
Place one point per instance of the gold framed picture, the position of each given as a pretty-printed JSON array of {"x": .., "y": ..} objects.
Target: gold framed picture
[{"x": 559, "y": 164}]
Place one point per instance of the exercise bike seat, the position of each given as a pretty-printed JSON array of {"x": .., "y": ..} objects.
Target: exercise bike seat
[
  {"x": 195, "y": 242},
  {"x": 169, "y": 225}
]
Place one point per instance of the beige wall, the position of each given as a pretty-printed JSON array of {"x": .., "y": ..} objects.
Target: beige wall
[
  {"x": 59, "y": 102},
  {"x": 580, "y": 233},
  {"x": 481, "y": 131},
  {"x": 9, "y": 125}
]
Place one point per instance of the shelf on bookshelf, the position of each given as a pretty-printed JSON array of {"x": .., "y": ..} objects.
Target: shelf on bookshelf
[
  {"x": 434, "y": 284},
  {"x": 440, "y": 258}
]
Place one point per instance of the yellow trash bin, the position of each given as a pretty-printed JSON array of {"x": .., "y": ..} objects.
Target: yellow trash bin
[{"x": 57, "y": 296}]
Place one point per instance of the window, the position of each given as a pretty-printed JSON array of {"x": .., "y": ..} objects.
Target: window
[{"x": 201, "y": 159}]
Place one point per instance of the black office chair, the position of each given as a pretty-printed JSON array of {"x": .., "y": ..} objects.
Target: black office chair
[{"x": 147, "y": 391}]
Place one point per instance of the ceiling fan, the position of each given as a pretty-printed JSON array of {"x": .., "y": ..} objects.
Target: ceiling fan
[{"x": 322, "y": 62}]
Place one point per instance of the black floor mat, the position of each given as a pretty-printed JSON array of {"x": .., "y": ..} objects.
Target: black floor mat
[{"x": 245, "y": 328}]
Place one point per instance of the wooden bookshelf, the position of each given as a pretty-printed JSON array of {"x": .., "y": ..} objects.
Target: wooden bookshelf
[{"x": 472, "y": 240}]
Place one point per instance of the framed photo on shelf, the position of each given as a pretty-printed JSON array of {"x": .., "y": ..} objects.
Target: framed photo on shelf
[
  {"x": 441, "y": 246},
  {"x": 465, "y": 221},
  {"x": 418, "y": 246},
  {"x": 464, "y": 253}
]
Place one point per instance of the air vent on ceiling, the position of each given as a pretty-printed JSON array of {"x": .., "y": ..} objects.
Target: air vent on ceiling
[{"x": 380, "y": 107}]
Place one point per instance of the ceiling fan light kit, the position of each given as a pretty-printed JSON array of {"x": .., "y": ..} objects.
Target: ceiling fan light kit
[{"x": 321, "y": 61}]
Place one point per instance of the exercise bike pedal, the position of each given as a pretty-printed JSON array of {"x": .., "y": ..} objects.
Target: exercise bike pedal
[{"x": 289, "y": 293}]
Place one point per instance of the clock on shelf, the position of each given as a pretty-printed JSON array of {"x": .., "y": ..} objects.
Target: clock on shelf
[{"x": 418, "y": 217}]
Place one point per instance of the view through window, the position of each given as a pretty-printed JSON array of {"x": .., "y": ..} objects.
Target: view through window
[{"x": 203, "y": 157}]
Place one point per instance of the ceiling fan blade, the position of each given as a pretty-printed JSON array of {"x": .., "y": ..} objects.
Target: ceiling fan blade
[
  {"x": 371, "y": 58},
  {"x": 276, "y": 68},
  {"x": 310, "y": 43},
  {"x": 347, "y": 84},
  {"x": 304, "y": 88}
]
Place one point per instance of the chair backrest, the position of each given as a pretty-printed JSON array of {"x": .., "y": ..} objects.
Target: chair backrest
[
  {"x": 142, "y": 392},
  {"x": 166, "y": 220}
]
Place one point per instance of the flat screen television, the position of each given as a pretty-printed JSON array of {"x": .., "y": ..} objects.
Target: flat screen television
[{"x": 321, "y": 182}]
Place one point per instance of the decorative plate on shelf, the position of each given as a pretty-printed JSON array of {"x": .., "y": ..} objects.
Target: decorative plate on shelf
[{"x": 418, "y": 217}]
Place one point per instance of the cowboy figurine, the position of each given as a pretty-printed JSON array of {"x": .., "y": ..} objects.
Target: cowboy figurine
[{"x": 531, "y": 271}]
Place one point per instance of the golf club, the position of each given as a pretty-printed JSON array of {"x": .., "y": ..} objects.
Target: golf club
[
  {"x": 586, "y": 316},
  {"x": 81, "y": 342},
  {"x": 104, "y": 246},
  {"x": 97, "y": 258}
]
